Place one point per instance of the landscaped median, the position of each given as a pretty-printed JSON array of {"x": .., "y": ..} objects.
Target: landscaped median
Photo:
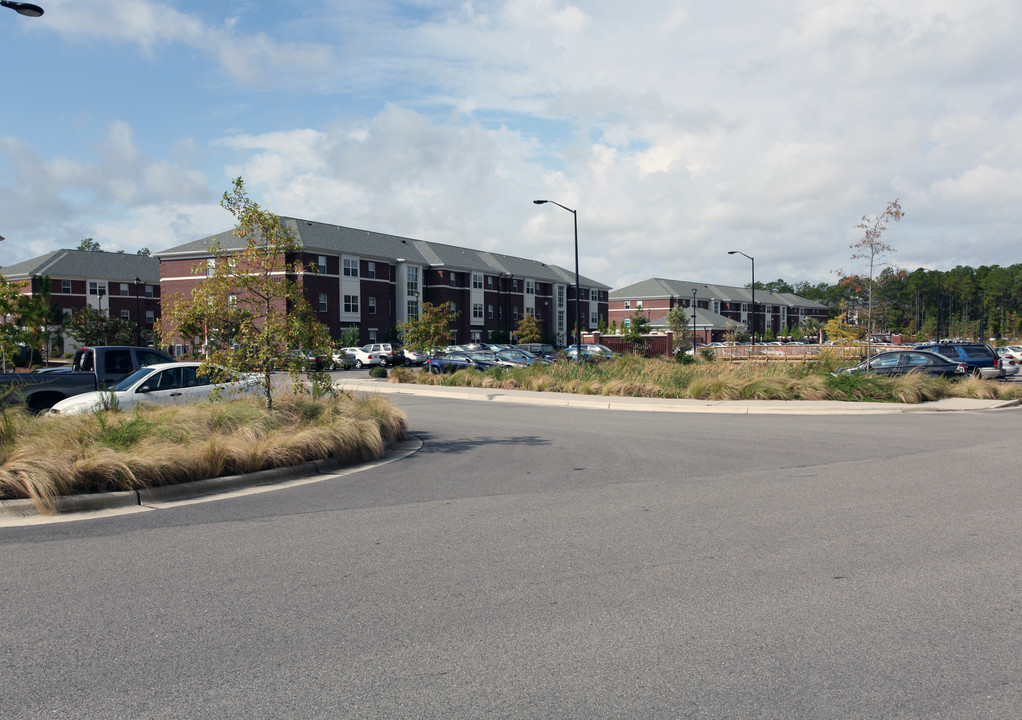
[
  {"x": 44, "y": 458},
  {"x": 717, "y": 380}
]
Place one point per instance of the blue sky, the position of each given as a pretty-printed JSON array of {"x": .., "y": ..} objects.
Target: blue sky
[{"x": 678, "y": 130}]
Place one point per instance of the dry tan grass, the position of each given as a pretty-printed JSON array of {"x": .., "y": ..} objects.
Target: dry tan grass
[{"x": 47, "y": 457}]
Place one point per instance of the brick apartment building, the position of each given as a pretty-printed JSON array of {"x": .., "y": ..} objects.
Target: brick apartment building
[
  {"x": 118, "y": 284},
  {"x": 378, "y": 281},
  {"x": 715, "y": 307}
]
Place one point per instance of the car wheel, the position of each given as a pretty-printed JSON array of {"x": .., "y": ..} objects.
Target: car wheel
[
  {"x": 977, "y": 374},
  {"x": 434, "y": 369},
  {"x": 358, "y": 364},
  {"x": 407, "y": 362}
]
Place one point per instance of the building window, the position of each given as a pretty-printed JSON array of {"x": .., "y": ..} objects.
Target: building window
[
  {"x": 489, "y": 312},
  {"x": 232, "y": 301},
  {"x": 413, "y": 282},
  {"x": 638, "y": 304},
  {"x": 150, "y": 291},
  {"x": 477, "y": 311},
  {"x": 453, "y": 306},
  {"x": 210, "y": 267},
  {"x": 150, "y": 317},
  {"x": 371, "y": 270},
  {"x": 125, "y": 315},
  {"x": 594, "y": 319},
  {"x": 351, "y": 303},
  {"x": 65, "y": 287},
  {"x": 372, "y": 334},
  {"x": 321, "y": 264},
  {"x": 594, "y": 295},
  {"x": 372, "y": 306},
  {"x": 628, "y": 304},
  {"x": 124, "y": 289},
  {"x": 413, "y": 310},
  {"x": 350, "y": 267},
  {"x": 489, "y": 281},
  {"x": 530, "y": 287},
  {"x": 477, "y": 281},
  {"x": 514, "y": 286},
  {"x": 322, "y": 302},
  {"x": 453, "y": 279},
  {"x": 516, "y": 313}
]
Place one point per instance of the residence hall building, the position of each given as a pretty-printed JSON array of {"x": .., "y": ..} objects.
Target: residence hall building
[
  {"x": 378, "y": 281},
  {"x": 715, "y": 307},
  {"x": 117, "y": 284}
]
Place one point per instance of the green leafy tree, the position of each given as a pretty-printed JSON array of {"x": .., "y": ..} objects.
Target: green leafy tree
[
  {"x": 144, "y": 252},
  {"x": 349, "y": 336},
  {"x": 90, "y": 326},
  {"x": 528, "y": 330},
  {"x": 809, "y": 327},
  {"x": 88, "y": 245},
  {"x": 250, "y": 311},
  {"x": 678, "y": 323},
  {"x": 637, "y": 327},
  {"x": 11, "y": 334},
  {"x": 431, "y": 331}
]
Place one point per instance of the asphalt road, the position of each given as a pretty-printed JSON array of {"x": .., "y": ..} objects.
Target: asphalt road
[{"x": 553, "y": 563}]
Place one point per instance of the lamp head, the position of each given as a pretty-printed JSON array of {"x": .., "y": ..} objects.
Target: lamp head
[
  {"x": 732, "y": 252},
  {"x": 540, "y": 202},
  {"x": 23, "y": 8}
]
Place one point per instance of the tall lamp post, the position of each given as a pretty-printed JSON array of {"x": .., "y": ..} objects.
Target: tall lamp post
[
  {"x": 753, "y": 260},
  {"x": 22, "y": 8},
  {"x": 578, "y": 292},
  {"x": 693, "y": 323},
  {"x": 138, "y": 316}
]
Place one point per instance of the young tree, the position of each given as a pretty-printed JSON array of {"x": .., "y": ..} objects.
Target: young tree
[
  {"x": 349, "y": 336},
  {"x": 251, "y": 312},
  {"x": 875, "y": 251},
  {"x": 637, "y": 327},
  {"x": 528, "y": 330},
  {"x": 90, "y": 326},
  {"x": 89, "y": 245},
  {"x": 11, "y": 334},
  {"x": 431, "y": 331},
  {"x": 677, "y": 322}
]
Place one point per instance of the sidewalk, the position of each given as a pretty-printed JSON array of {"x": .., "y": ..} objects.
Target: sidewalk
[{"x": 606, "y": 402}]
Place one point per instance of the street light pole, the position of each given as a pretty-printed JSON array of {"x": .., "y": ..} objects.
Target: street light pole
[
  {"x": 693, "y": 323},
  {"x": 578, "y": 292},
  {"x": 138, "y": 316},
  {"x": 753, "y": 260},
  {"x": 22, "y": 8}
]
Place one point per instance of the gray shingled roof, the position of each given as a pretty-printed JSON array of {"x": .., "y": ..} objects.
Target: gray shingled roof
[
  {"x": 86, "y": 264},
  {"x": 660, "y": 287},
  {"x": 334, "y": 239}
]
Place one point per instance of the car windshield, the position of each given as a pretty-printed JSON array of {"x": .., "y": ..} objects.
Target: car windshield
[{"x": 133, "y": 378}]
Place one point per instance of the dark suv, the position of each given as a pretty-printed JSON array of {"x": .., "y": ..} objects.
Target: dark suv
[{"x": 980, "y": 359}]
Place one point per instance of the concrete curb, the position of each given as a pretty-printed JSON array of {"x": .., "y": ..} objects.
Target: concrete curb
[
  {"x": 670, "y": 405},
  {"x": 67, "y": 504}
]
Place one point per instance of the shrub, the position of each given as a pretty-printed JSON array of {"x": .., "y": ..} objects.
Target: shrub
[{"x": 378, "y": 371}]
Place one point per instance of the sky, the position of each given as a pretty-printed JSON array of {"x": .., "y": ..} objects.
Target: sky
[{"x": 677, "y": 129}]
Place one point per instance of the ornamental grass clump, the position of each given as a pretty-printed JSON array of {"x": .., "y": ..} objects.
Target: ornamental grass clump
[{"x": 152, "y": 446}]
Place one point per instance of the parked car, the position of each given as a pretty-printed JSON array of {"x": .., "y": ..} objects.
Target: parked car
[
  {"x": 93, "y": 368},
  {"x": 521, "y": 358},
  {"x": 366, "y": 356},
  {"x": 902, "y": 362},
  {"x": 541, "y": 349},
  {"x": 163, "y": 384},
  {"x": 590, "y": 351},
  {"x": 453, "y": 361},
  {"x": 342, "y": 359},
  {"x": 1009, "y": 366},
  {"x": 413, "y": 358},
  {"x": 980, "y": 359},
  {"x": 1015, "y": 353}
]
